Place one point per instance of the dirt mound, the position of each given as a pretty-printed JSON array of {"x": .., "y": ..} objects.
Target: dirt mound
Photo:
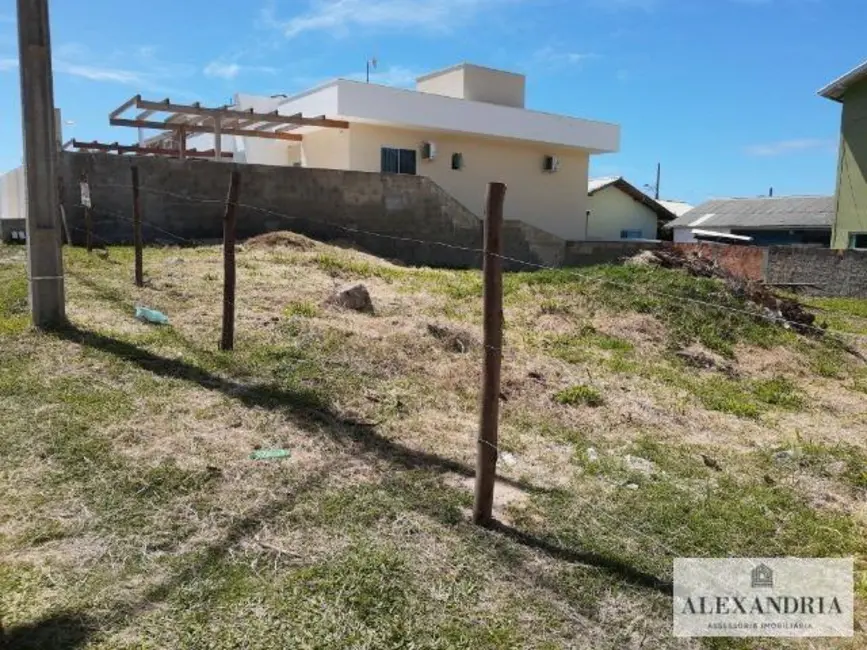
[
  {"x": 788, "y": 312},
  {"x": 281, "y": 239}
]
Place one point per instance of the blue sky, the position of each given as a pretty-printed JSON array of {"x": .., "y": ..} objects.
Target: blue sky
[{"x": 722, "y": 92}]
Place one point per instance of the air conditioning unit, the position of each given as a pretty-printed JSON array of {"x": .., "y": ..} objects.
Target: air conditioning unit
[
  {"x": 551, "y": 164},
  {"x": 428, "y": 150}
]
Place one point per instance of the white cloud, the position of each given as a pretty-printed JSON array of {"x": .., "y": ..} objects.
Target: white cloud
[
  {"x": 8, "y": 64},
  {"x": 101, "y": 73},
  {"x": 222, "y": 70},
  {"x": 226, "y": 70},
  {"x": 789, "y": 146},
  {"x": 550, "y": 55},
  {"x": 339, "y": 16}
]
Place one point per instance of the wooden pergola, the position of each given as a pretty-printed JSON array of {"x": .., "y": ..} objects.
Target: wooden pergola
[
  {"x": 115, "y": 147},
  {"x": 177, "y": 121}
]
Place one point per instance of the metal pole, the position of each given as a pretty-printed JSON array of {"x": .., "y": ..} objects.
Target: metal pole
[
  {"x": 44, "y": 258},
  {"x": 228, "y": 340},
  {"x": 486, "y": 453},
  {"x": 658, "y": 179},
  {"x": 136, "y": 228}
]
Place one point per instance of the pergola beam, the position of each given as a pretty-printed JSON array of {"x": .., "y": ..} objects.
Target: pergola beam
[
  {"x": 203, "y": 128},
  {"x": 155, "y": 151},
  {"x": 275, "y": 117}
]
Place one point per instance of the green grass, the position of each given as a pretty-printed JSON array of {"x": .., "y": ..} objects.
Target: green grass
[
  {"x": 579, "y": 395},
  {"x": 131, "y": 503},
  {"x": 302, "y": 308},
  {"x": 14, "y": 314},
  {"x": 686, "y": 305}
]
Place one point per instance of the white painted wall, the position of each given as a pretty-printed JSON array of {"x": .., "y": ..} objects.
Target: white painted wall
[
  {"x": 13, "y": 195},
  {"x": 612, "y": 211}
]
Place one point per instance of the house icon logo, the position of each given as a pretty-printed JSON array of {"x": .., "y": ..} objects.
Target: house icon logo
[{"x": 762, "y": 576}]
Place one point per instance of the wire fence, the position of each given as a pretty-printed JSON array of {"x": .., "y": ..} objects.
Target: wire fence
[
  {"x": 757, "y": 313},
  {"x": 668, "y": 550}
]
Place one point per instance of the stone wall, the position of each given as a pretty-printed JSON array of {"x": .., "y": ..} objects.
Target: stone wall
[
  {"x": 183, "y": 201},
  {"x": 393, "y": 216},
  {"x": 819, "y": 271}
]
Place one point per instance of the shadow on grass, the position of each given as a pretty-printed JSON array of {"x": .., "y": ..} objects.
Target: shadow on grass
[
  {"x": 58, "y": 631},
  {"x": 304, "y": 407},
  {"x": 315, "y": 415},
  {"x": 622, "y": 570}
]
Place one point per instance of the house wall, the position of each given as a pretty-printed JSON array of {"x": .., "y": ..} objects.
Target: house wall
[
  {"x": 13, "y": 195},
  {"x": 449, "y": 84},
  {"x": 852, "y": 171},
  {"x": 555, "y": 203},
  {"x": 478, "y": 84},
  {"x": 326, "y": 149},
  {"x": 612, "y": 211}
]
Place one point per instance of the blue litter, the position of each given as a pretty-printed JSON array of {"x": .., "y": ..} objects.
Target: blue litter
[{"x": 151, "y": 316}]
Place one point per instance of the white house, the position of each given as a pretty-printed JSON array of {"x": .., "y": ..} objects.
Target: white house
[
  {"x": 619, "y": 210},
  {"x": 463, "y": 127}
]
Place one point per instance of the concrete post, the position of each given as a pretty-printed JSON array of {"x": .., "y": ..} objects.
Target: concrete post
[{"x": 44, "y": 259}]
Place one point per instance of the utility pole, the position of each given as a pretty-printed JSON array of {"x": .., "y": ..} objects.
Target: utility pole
[
  {"x": 44, "y": 257},
  {"x": 658, "y": 179}
]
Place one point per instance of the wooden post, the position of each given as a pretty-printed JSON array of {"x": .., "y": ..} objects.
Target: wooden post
[
  {"x": 218, "y": 139},
  {"x": 136, "y": 228},
  {"x": 44, "y": 257},
  {"x": 182, "y": 143},
  {"x": 486, "y": 453},
  {"x": 88, "y": 220},
  {"x": 228, "y": 340}
]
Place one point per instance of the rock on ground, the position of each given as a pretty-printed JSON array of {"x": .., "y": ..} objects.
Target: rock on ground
[{"x": 355, "y": 297}]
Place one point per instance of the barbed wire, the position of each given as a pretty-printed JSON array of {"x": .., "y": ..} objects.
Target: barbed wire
[
  {"x": 770, "y": 317},
  {"x": 638, "y": 532}
]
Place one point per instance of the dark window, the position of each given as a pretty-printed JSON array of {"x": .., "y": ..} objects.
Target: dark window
[
  {"x": 457, "y": 160},
  {"x": 630, "y": 234},
  {"x": 398, "y": 161},
  {"x": 858, "y": 240}
]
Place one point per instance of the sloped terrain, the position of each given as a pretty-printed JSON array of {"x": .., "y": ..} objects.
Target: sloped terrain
[{"x": 639, "y": 423}]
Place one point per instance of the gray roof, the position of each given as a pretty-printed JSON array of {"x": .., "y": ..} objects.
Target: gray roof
[
  {"x": 837, "y": 88},
  {"x": 778, "y": 212}
]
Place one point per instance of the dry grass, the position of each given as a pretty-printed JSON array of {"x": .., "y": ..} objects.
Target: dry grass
[{"x": 134, "y": 516}]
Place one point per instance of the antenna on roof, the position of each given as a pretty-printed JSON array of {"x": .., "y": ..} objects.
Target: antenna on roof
[{"x": 371, "y": 63}]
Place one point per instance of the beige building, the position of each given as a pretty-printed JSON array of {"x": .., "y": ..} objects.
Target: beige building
[
  {"x": 619, "y": 210},
  {"x": 462, "y": 127}
]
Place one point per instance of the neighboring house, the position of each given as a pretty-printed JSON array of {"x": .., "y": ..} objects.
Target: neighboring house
[
  {"x": 678, "y": 208},
  {"x": 850, "y": 223},
  {"x": 463, "y": 127},
  {"x": 805, "y": 220},
  {"x": 619, "y": 210},
  {"x": 13, "y": 202}
]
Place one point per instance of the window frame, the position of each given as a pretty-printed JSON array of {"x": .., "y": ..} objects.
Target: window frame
[
  {"x": 399, "y": 154},
  {"x": 853, "y": 237}
]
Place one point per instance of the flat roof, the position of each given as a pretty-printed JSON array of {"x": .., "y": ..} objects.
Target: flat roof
[
  {"x": 458, "y": 66},
  {"x": 837, "y": 88}
]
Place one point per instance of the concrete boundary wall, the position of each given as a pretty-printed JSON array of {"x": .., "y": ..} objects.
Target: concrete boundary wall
[{"x": 186, "y": 199}]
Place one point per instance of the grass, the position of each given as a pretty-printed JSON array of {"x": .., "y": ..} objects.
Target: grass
[
  {"x": 134, "y": 517},
  {"x": 579, "y": 395}
]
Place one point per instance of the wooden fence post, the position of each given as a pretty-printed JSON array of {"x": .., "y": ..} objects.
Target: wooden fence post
[
  {"x": 136, "y": 228},
  {"x": 486, "y": 453},
  {"x": 86, "y": 201},
  {"x": 228, "y": 340}
]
